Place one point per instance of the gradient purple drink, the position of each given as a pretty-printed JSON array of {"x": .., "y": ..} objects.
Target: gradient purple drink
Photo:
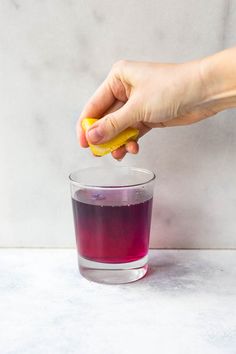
[{"x": 108, "y": 231}]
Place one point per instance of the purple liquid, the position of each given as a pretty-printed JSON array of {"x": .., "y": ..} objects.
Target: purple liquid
[{"x": 112, "y": 234}]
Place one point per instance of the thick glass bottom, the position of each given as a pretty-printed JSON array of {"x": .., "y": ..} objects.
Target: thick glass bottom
[{"x": 113, "y": 273}]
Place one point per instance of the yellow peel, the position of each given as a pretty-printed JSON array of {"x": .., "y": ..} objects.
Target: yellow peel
[{"x": 105, "y": 148}]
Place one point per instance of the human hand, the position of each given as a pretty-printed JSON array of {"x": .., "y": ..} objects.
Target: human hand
[{"x": 145, "y": 96}]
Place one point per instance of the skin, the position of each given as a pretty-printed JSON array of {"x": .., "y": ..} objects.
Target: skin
[{"x": 148, "y": 95}]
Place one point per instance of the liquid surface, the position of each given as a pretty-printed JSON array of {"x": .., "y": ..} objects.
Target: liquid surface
[{"x": 111, "y": 233}]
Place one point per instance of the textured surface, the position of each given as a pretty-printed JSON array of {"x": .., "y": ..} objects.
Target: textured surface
[
  {"x": 53, "y": 54},
  {"x": 186, "y": 304}
]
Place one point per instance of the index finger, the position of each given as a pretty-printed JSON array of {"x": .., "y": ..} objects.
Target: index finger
[{"x": 98, "y": 104}]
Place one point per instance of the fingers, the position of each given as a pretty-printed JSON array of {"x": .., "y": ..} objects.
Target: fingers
[
  {"x": 119, "y": 153},
  {"x": 115, "y": 106},
  {"x": 112, "y": 124},
  {"x": 82, "y": 138},
  {"x": 81, "y": 133},
  {"x": 132, "y": 147},
  {"x": 99, "y": 103}
]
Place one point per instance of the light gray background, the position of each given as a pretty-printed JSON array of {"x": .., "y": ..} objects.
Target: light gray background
[{"x": 53, "y": 55}]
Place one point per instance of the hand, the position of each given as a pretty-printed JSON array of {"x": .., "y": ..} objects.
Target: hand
[{"x": 145, "y": 95}]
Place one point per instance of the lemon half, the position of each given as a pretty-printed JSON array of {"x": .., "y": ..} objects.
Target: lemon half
[{"x": 105, "y": 148}]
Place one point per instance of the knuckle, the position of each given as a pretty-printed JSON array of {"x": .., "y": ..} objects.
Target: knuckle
[{"x": 112, "y": 123}]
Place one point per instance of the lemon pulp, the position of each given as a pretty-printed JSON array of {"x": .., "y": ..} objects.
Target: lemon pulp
[{"x": 119, "y": 140}]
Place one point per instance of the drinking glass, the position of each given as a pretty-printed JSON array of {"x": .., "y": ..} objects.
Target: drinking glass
[{"x": 112, "y": 210}]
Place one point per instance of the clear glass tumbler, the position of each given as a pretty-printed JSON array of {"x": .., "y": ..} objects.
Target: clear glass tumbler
[{"x": 112, "y": 210}]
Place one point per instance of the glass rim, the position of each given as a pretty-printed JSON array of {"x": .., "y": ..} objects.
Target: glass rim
[{"x": 131, "y": 185}]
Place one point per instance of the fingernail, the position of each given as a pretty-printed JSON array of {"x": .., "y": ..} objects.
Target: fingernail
[{"x": 94, "y": 135}]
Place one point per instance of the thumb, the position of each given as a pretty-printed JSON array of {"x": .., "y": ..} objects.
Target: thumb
[{"x": 112, "y": 124}]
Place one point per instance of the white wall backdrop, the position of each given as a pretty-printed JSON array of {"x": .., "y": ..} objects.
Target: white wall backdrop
[{"x": 53, "y": 54}]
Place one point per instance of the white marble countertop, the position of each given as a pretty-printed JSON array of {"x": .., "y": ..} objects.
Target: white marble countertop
[{"x": 186, "y": 304}]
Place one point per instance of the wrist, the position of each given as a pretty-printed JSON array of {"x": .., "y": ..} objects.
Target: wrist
[{"x": 218, "y": 74}]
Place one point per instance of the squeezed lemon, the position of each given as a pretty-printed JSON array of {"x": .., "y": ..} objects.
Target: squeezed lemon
[{"x": 119, "y": 140}]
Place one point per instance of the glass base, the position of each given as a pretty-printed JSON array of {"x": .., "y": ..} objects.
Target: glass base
[{"x": 113, "y": 273}]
